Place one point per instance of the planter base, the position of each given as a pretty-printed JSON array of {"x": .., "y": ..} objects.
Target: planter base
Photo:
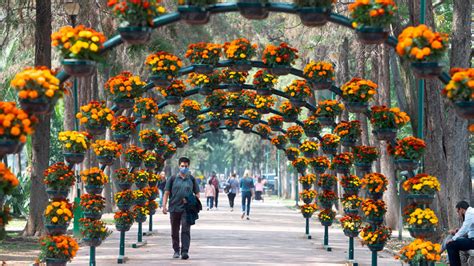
[
  {"x": 37, "y": 106},
  {"x": 253, "y": 10},
  {"x": 465, "y": 109},
  {"x": 279, "y": 70},
  {"x": 372, "y": 35},
  {"x": 160, "y": 81},
  {"x": 194, "y": 15},
  {"x": 135, "y": 35},
  {"x": 427, "y": 70},
  {"x": 79, "y": 68},
  {"x": 314, "y": 16},
  {"x": 203, "y": 69}
]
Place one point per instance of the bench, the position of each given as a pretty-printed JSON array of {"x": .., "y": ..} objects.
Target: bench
[{"x": 467, "y": 258}]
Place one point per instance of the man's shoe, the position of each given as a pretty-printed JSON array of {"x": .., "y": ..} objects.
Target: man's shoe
[
  {"x": 184, "y": 256},
  {"x": 243, "y": 215},
  {"x": 248, "y": 218},
  {"x": 176, "y": 255}
]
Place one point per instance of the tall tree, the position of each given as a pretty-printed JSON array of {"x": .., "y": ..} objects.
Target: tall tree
[{"x": 41, "y": 138}]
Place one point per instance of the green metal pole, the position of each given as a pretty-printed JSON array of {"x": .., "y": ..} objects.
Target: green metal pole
[
  {"x": 150, "y": 223},
  {"x": 140, "y": 233},
  {"x": 279, "y": 172},
  {"x": 374, "y": 258},
  {"x": 326, "y": 236},
  {"x": 421, "y": 82},
  {"x": 307, "y": 226},
  {"x": 121, "y": 257},
  {"x": 92, "y": 256},
  {"x": 351, "y": 248},
  {"x": 77, "y": 200},
  {"x": 296, "y": 189}
]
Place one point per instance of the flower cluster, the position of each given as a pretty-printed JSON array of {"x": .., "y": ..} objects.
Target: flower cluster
[
  {"x": 204, "y": 53},
  {"x": 107, "y": 148},
  {"x": 252, "y": 114},
  {"x": 372, "y": 13},
  {"x": 122, "y": 175},
  {"x": 177, "y": 88},
  {"x": 422, "y": 218},
  {"x": 38, "y": 82},
  {"x": 239, "y": 49},
  {"x": 292, "y": 153},
  {"x": 190, "y": 108},
  {"x": 279, "y": 55},
  {"x": 211, "y": 80},
  {"x": 245, "y": 124},
  {"x": 61, "y": 247},
  {"x": 218, "y": 99},
  {"x": 141, "y": 176},
  {"x": 377, "y": 235},
  {"x": 351, "y": 222},
  {"x": 234, "y": 77},
  {"x": 326, "y": 215},
  {"x": 311, "y": 125},
  {"x": 319, "y": 71},
  {"x": 279, "y": 140},
  {"x": 275, "y": 121},
  {"x": 365, "y": 154},
  {"x": 298, "y": 89},
  {"x": 309, "y": 146},
  {"x": 308, "y": 208},
  {"x": 326, "y": 180},
  {"x": 58, "y": 212},
  {"x": 140, "y": 211},
  {"x": 350, "y": 130},
  {"x": 78, "y": 42},
  {"x": 289, "y": 110},
  {"x": 92, "y": 203},
  {"x": 163, "y": 64},
  {"x": 350, "y": 181},
  {"x": 149, "y": 136},
  {"x": 423, "y": 184},
  {"x": 308, "y": 194},
  {"x": 263, "y": 130},
  {"x": 169, "y": 120},
  {"x": 124, "y": 197},
  {"x": 308, "y": 179},
  {"x": 461, "y": 85},
  {"x": 328, "y": 196},
  {"x": 329, "y": 108},
  {"x": 15, "y": 123},
  {"x": 374, "y": 208},
  {"x": 351, "y": 202},
  {"x": 145, "y": 107},
  {"x": 74, "y": 141},
  {"x": 58, "y": 175},
  {"x": 264, "y": 102},
  {"x": 330, "y": 141},
  {"x": 134, "y": 154},
  {"x": 123, "y": 125},
  {"x": 383, "y": 117},
  {"x": 94, "y": 176},
  {"x": 420, "y": 43},
  {"x": 374, "y": 182},
  {"x": 151, "y": 205},
  {"x": 124, "y": 86},
  {"x": 93, "y": 229},
  {"x": 123, "y": 218},
  {"x": 344, "y": 159},
  {"x": 320, "y": 162},
  {"x": 136, "y": 13},
  {"x": 95, "y": 114},
  {"x": 141, "y": 195},
  {"x": 264, "y": 80},
  {"x": 294, "y": 132},
  {"x": 410, "y": 148},
  {"x": 420, "y": 251},
  {"x": 359, "y": 90},
  {"x": 300, "y": 162}
]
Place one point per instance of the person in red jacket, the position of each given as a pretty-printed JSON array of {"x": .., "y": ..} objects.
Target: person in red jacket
[{"x": 215, "y": 182}]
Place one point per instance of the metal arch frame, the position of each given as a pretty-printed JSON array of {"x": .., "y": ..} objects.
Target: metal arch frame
[{"x": 232, "y": 7}]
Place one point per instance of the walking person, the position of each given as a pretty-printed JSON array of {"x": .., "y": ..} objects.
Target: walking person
[
  {"x": 210, "y": 192},
  {"x": 259, "y": 189},
  {"x": 178, "y": 189},
  {"x": 161, "y": 186},
  {"x": 233, "y": 184},
  {"x": 247, "y": 190},
  {"x": 215, "y": 183}
]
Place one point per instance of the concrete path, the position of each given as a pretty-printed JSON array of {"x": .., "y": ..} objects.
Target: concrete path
[{"x": 273, "y": 236}]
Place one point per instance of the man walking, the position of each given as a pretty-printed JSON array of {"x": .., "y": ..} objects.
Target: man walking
[
  {"x": 177, "y": 189},
  {"x": 215, "y": 183},
  {"x": 464, "y": 238}
]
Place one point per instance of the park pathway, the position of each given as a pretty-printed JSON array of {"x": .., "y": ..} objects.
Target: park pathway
[{"x": 273, "y": 236}]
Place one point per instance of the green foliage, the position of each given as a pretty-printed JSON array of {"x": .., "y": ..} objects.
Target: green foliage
[
  {"x": 19, "y": 200},
  {"x": 57, "y": 119}
]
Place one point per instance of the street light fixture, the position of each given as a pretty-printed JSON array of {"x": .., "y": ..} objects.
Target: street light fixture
[{"x": 72, "y": 8}]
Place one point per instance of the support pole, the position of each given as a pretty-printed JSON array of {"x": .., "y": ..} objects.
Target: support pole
[
  {"x": 307, "y": 229},
  {"x": 92, "y": 256},
  {"x": 150, "y": 224},
  {"x": 140, "y": 242},
  {"x": 295, "y": 182},
  {"x": 121, "y": 257},
  {"x": 374, "y": 258},
  {"x": 326, "y": 239},
  {"x": 351, "y": 248}
]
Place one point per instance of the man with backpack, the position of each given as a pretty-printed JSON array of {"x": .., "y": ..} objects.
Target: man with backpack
[{"x": 182, "y": 191}]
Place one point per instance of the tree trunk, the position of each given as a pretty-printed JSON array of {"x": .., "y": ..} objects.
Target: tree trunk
[
  {"x": 41, "y": 138},
  {"x": 361, "y": 57}
]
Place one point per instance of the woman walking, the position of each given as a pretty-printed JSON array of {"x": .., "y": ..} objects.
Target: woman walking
[
  {"x": 259, "y": 189},
  {"x": 233, "y": 184},
  {"x": 210, "y": 193},
  {"x": 247, "y": 190}
]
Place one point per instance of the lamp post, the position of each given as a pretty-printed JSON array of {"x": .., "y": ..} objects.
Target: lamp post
[{"x": 72, "y": 8}]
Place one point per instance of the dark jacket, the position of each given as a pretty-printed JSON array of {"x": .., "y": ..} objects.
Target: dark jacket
[{"x": 192, "y": 208}]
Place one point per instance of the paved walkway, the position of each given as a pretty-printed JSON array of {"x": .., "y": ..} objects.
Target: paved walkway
[{"x": 273, "y": 236}]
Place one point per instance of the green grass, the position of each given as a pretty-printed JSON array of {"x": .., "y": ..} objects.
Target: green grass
[{"x": 18, "y": 248}]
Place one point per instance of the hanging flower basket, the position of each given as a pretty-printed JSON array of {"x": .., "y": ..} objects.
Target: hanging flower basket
[
  {"x": 79, "y": 67},
  {"x": 307, "y": 200},
  {"x": 73, "y": 158},
  {"x": 141, "y": 185},
  {"x": 57, "y": 193},
  {"x": 363, "y": 167},
  {"x": 92, "y": 242},
  {"x": 326, "y": 204},
  {"x": 342, "y": 169},
  {"x": 376, "y": 247},
  {"x": 307, "y": 215},
  {"x": 56, "y": 262},
  {"x": 205, "y": 90},
  {"x": 135, "y": 163},
  {"x": 421, "y": 232},
  {"x": 55, "y": 229},
  {"x": 124, "y": 206},
  {"x": 314, "y": 16},
  {"x": 124, "y": 185},
  {"x": 306, "y": 186},
  {"x": 234, "y": 87},
  {"x": 150, "y": 165},
  {"x": 290, "y": 118},
  {"x": 326, "y": 223},
  {"x": 135, "y": 35},
  {"x": 321, "y": 85},
  {"x": 356, "y": 107},
  {"x": 95, "y": 130},
  {"x": 252, "y": 10},
  {"x": 173, "y": 100},
  {"x": 264, "y": 91},
  {"x": 94, "y": 189},
  {"x": 194, "y": 15},
  {"x": 329, "y": 150},
  {"x": 351, "y": 233},
  {"x": 375, "y": 220},
  {"x": 427, "y": 70},
  {"x": 375, "y": 195},
  {"x": 351, "y": 211},
  {"x": 140, "y": 218},
  {"x": 8, "y": 146},
  {"x": 161, "y": 81},
  {"x": 124, "y": 103},
  {"x": 240, "y": 65},
  {"x": 465, "y": 109},
  {"x": 279, "y": 70},
  {"x": 421, "y": 198},
  {"x": 120, "y": 138},
  {"x": 372, "y": 35},
  {"x": 319, "y": 169},
  {"x": 298, "y": 102},
  {"x": 406, "y": 164},
  {"x": 203, "y": 69},
  {"x": 386, "y": 134},
  {"x": 39, "y": 105},
  {"x": 123, "y": 227},
  {"x": 106, "y": 159},
  {"x": 93, "y": 215},
  {"x": 326, "y": 121},
  {"x": 348, "y": 142},
  {"x": 309, "y": 154},
  {"x": 140, "y": 201}
]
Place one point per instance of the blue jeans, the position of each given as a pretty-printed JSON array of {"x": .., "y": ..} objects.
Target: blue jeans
[
  {"x": 455, "y": 246},
  {"x": 246, "y": 199},
  {"x": 210, "y": 202}
]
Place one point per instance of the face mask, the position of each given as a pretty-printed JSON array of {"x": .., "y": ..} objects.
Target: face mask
[{"x": 184, "y": 170}]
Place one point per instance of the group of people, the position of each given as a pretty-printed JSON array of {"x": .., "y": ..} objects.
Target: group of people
[{"x": 246, "y": 186}]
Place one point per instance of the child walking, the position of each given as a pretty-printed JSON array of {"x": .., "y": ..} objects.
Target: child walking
[{"x": 210, "y": 192}]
